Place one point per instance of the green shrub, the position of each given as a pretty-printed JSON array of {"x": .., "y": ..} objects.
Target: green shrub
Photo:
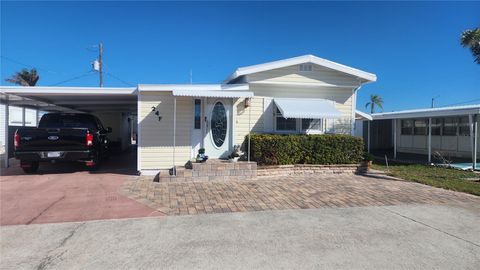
[{"x": 268, "y": 149}]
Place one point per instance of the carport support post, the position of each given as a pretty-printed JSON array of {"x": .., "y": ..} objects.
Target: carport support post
[
  {"x": 7, "y": 119},
  {"x": 473, "y": 138},
  {"x": 249, "y": 116},
  {"x": 475, "y": 142},
  {"x": 429, "y": 140},
  {"x": 368, "y": 137},
  {"x": 395, "y": 138},
  {"x": 174, "y": 172}
]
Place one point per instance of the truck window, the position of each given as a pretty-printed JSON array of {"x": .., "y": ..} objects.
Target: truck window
[{"x": 67, "y": 121}]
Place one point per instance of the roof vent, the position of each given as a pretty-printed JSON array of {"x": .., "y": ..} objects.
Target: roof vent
[{"x": 305, "y": 67}]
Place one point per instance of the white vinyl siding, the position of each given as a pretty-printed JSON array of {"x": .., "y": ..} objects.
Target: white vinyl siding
[
  {"x": 321, "y": 83},
  {"x": 342, "y": 97},
  {"x": 242, "y": 118},
  {"x": 292, "y": 74},
  {"x": 156, "y": 137}
]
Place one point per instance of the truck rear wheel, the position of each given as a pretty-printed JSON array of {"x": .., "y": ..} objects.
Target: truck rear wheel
[{"x": 29, "y": 167}]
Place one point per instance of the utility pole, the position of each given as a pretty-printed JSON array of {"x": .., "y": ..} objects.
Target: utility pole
[{"x": 100, "y": 67}]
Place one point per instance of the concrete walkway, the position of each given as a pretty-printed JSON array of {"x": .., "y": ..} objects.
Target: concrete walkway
[{"x": 444, "y": 236}]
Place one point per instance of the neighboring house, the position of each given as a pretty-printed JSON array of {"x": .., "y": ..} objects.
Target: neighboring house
[
  {"x": 454, "y": 131},
  {"x": 360, "y": 120},
  {"x": 305, "y": 94}
]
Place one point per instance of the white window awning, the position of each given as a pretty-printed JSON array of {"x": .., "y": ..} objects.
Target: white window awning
[
  {"x": 212, "y": 93},
  {"x": 307, "y": 108}
]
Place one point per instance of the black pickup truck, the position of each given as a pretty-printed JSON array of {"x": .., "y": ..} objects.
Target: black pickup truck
[{"x": 62, "y": 137}]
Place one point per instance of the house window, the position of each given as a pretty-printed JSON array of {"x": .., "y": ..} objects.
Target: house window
[
  {"x": 312, "y": 124},
  {"x": 420, "y": 127},
  {"x": 407, "y": 127},
  {"x": 436, "y": 126},
  {"x": 283, "y": 124},
  {"x": 15, "y": 116},
  {"x": 450, "y": 126},
  {"x": 198, "y": 112},
  {"x": 305, "y": 67},
  {"x": 30, "y": 118},
  {"x": 464, "y": 126}
]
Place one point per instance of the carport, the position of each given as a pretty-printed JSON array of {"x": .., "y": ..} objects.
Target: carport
[{"x": 115, "y": 107}]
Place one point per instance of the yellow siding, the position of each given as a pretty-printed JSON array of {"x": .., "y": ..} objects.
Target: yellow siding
[
  {"x": 156, "y": 137},
  {"x": 319, "y": 75},
  {"x": 242, "y": 118},
  {"x": 342, "y": 96}
]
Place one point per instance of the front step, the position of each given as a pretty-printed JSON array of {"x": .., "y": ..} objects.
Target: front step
[{"x": 213, "y": 170}]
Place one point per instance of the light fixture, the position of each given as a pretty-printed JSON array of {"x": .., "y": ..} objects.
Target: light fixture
[{"x": 248, "y": 102}]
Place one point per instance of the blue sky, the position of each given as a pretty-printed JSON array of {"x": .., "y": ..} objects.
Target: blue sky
[{"x": 412, "y": 47}]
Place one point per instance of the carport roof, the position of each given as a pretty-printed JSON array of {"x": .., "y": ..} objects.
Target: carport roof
[
  {"x": 430, "y": 112},
  {"x": 71, "y": 99}
]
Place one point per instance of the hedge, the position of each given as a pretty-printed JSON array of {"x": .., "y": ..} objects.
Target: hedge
[{"x": 268, "y": 149}]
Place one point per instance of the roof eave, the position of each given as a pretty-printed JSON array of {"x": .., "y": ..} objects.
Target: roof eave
[
  {"x": 368, "y": 77},
  {"x": 423, "y": 114}
]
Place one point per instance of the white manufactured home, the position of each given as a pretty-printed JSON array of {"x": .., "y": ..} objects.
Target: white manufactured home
[{"x": 305, "y": 94}]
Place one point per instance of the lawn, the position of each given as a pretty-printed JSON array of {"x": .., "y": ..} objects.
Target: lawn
[{"x": 435, "y": 176}]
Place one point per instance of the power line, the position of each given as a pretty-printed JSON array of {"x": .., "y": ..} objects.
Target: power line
[
  {"x": 74, "y": 78},
  {"x": 26, "y": 65},
  {"x": 114, "y": 76},
  {"x": 118, "y": 79},
  {"x": 464, "y": 102}
]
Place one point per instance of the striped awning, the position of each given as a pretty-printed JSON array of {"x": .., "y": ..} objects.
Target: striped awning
[
  {"x": 212, "y": 93},
  {"x": 307, "y": 108}
]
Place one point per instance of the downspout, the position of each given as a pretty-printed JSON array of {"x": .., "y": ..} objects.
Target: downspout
[{"x": 354, "y": 108}]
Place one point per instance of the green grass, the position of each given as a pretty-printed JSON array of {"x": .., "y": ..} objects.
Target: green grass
[{"x": 435, "y": 176}]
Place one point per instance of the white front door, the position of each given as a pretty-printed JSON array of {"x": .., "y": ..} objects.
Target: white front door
[{"x": 218, "y": 128}]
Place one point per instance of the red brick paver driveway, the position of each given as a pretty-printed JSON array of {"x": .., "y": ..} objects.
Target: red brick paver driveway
[
  {"x": 294, "y": 192},
  {"x": 67, "y": 192}
]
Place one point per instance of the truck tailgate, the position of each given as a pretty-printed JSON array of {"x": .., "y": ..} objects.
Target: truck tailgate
[{"x": 51, "y": 139}]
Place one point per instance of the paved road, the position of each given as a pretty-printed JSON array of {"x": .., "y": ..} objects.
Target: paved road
[{"x": 445, "y": 236}]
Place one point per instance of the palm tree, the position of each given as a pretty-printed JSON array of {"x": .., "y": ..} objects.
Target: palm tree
[
  {"x": 471, "y": 39},
  {"x": 375, "y": 100},
  {"x": 25, "y": 77}
]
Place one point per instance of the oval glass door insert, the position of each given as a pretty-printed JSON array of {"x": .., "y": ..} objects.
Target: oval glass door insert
[{"x": 219, "y": 124}]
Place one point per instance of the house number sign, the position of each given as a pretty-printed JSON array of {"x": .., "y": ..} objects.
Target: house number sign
[{"x": 157, "y": 113}]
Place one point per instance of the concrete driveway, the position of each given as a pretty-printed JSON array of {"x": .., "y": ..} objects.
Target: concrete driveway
[
  {"x": 445, "y": 236},
  {"x": 68, "y": 192}
]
